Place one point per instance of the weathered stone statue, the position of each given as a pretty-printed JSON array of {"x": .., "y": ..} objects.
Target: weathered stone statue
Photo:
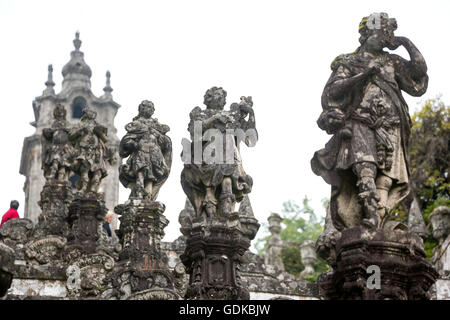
[
  {"x": 150, "y": 154},
  {"x": 213, "y": 179},
  {"x": 142, "y": 271},
  {"x": 90, "y": 141},
  {"x": 57, "y": 160},
  {"x": 58, "y": 152},
  {"x": 366, "y": 161}
]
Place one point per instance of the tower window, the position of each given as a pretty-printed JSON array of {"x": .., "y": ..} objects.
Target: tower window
[{"x": 79, "y": 103}]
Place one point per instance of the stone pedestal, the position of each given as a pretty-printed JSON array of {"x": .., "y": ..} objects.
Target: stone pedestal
[
  {"x": 86, "y": 215},
  {"x": 214, "y": 250},
  {"x": 56, "y": 197},
  {"x": 142, "y": 226},
  {"x": 141, "y": 273},
  {"x": 379, "y": 265}
]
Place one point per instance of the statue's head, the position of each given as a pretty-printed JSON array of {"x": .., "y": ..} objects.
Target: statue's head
[
  {"x": 59, "y": 113},
  {"x": 88, "y": 114},
  {"x": 215, "y": 98},
  {"x": 377, "y": 31},
  {"x": 146, "y": 109}
]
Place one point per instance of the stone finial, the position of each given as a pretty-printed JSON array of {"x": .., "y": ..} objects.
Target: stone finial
[
  {"x": 308, "y": 255},
  {"x": 77, "y": 41},
  {"x": 274, "y": 223},
  {"x": 49, "y": 83},
  {"x": 108, "y": 88},
  {"x": 275, "y": 244}
]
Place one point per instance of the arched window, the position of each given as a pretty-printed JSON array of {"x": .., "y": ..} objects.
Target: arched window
[{"x": 78, "y": 104}]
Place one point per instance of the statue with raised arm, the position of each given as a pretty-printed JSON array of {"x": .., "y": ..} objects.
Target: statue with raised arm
[
  {"x": 93, "y": 151},
  {"x": 366, "y": 161},
  {"x": 149, "y": 152},
  {"x": 57, "y": 151},
  {"x": 213, "y": 177}
]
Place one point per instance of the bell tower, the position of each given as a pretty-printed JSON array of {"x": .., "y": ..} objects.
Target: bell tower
[{"x": 75, "y": 95}]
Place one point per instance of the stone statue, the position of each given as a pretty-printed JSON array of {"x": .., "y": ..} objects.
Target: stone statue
[
  {"x": 366, "y": 161},
  {"x": 90, "y": 142},
  {"x": 150, "y": 154},
  {"x": 58, "y": 153},
  {"x": 214, "y": 184}
]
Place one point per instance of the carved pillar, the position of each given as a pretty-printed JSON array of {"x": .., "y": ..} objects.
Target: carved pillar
[
  {"x": 214, "y": 250},
  {"x": 275, "y": 244},
  {"x": 56, "y": 197},
  {"x": 308, "y": 255},
  {"x": 142, "y": 272},
  {"x": 142, "y": 226},
  {"x": 379, "y": 265},
  {"x": 86, "y": 214}
]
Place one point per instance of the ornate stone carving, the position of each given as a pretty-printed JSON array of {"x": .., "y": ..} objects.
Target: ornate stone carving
[
  {"x": 149, "y": 152},
  {"x": 142, "y": 226},
  {"x": 56, "y": 197},
  {"x": 86, "y": 215},
  {"x": 366, "y": 162},
  {"x": 405, "y": 274},
  {"x": 85, "y": 276},
  {"x": 45, "y": 250},
  {"x": 93, "y": 152},
  {"x": 57, "y": 151},
  {"x": 16, "y": 231}
]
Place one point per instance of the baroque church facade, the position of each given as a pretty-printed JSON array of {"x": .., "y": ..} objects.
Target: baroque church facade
[{"x": 75, "y": 95}]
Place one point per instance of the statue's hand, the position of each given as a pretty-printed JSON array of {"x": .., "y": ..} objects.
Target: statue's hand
[
  {"x": 220, "y": 117},
  {"x": 395, "y": 43}
]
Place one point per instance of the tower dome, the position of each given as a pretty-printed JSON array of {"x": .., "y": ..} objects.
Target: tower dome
[{"x": 77, "y": 69}]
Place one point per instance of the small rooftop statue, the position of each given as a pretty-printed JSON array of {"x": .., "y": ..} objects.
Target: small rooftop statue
[
  {"x": 149, "y": 152},
  {"x": 367, "y": 161},
  {"x": 93, "y": 151},
  {"x": 58, "y": 152}
]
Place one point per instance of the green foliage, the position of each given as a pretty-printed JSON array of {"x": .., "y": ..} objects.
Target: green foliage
[
  {"x": 300, "y": 223},
  {"x": 430, "y": 158},
  {"x": 429, "y": 152},
  {"x": 292, "y": 260},
  {"x": 297, "y": 228}
]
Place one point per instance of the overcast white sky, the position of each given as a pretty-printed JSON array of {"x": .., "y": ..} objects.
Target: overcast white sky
[{"x": 170, "y": 52}]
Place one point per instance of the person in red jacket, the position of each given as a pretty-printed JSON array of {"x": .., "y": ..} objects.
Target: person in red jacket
[{"x": 11, "y": 213}]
